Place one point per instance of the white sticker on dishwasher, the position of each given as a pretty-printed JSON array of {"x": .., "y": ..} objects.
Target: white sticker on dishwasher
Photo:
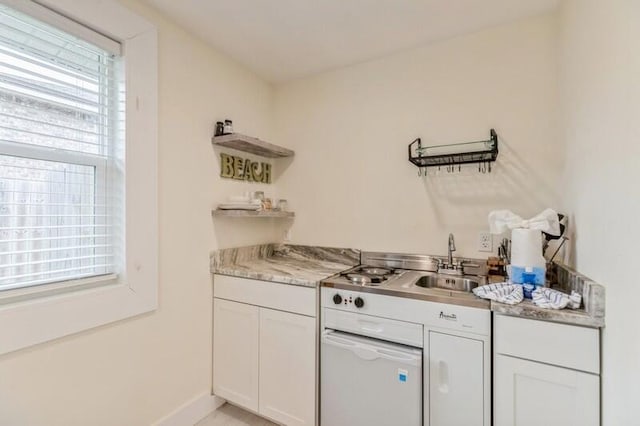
[{"x": 402, "y": 375}]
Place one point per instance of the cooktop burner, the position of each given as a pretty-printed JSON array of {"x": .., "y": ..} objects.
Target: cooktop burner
[
  {"x": 367, "y": 275},
  {"x": 363, "y": 279},
  {"x": 371, "y": 270}
]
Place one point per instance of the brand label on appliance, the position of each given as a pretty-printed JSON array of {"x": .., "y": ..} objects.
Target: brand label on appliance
[
  {"x": 448, "y": 317},
  {"x": 402, "y": 375}
]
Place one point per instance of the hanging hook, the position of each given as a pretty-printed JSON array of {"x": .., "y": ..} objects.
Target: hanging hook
[{"x": 489, "y": 166}]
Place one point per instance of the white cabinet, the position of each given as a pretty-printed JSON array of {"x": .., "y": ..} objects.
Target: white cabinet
[
  {"x": 529, "y": 393},
  {"x": 456, "y": 381},
  {"x": 264, "y": 348},
  {"x": 235, "y": 352},
  {"x": 545, "y": 374},
  {"x": 287, "y": 367}
]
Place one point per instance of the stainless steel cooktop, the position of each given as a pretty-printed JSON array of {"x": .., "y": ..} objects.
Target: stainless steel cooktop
[{"x": 389, "y": 274}]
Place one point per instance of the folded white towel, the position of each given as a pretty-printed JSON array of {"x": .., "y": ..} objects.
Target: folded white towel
[
  {"x": 504, "y": 220},
  {"x": 508, "y": 293},
  {"x": 554, "y": 299}
]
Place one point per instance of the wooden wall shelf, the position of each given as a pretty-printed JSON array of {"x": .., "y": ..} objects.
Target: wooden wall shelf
[
  {"x": 251, "y": 145},
  {"x": 251, "y": 213}
]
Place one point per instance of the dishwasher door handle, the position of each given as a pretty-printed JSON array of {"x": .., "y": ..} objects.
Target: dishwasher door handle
[
  {"x": 369, "y": 352},
  {"x": 329, "y": 338},
  {"x": 361, "y": 351}
]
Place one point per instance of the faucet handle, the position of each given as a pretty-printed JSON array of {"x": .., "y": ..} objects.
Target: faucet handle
[
  {"x": 458, "y": 264},
  {"x": 443, "y": 264}
]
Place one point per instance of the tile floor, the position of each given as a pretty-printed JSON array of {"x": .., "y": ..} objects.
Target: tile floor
[{"x": 230, "y": 415}]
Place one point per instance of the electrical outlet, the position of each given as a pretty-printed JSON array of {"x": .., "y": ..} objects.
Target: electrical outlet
[{"x": 485, "y": 242}]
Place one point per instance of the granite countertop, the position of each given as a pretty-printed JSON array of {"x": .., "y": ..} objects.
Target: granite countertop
[
  {"x": 527, "y": 309},
  {"x": 590, "y": 314},
  {"x": 307, "y": 266},
  {"x": 289, "y": 264}
]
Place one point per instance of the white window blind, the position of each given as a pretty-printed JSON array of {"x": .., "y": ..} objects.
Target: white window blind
[{"x": 61, "y": 155}]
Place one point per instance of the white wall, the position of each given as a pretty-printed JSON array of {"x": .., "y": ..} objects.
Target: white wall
[
  {"x": 600, "y": 93},
  {"x": 351, "y": 184},
  {"x": 136, "y": 371}
]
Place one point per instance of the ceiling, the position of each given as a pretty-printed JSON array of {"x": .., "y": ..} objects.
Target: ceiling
[{"x": 287, "y": 39}]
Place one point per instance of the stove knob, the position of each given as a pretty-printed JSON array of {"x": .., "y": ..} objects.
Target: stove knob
[
  {"x": 337, "y": 299},
  {"x": 359, "y": 302}
]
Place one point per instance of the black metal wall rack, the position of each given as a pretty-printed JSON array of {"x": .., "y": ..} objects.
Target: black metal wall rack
[{"x": 482, "y": 152}]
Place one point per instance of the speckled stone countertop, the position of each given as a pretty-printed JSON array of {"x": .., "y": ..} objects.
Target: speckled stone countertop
[
  {"x": 591, "y": 313},
  {"x": 308, "y": 265},
  {"x": 288, "y": 264}
]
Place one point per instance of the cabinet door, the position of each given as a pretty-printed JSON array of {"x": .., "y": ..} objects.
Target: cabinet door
[
  {"x": 235, "y": 352},
  {"x": 528, "y": 393},
  {"x": 456, "y": 380},
  {"x": 287, "y": 367}
]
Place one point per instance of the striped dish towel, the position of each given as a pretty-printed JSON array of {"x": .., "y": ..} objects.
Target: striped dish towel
[
  {"x": 508, "y": 293},
  {"x": 554, "y": 299}
]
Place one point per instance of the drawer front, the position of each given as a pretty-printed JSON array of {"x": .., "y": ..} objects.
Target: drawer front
[
  {"x": 380, "y": 328},
  {"x": 557, "y": 344},
  {"x": 283, "y": 297}
]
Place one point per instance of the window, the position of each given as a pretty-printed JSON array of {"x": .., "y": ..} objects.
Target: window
[
  {"x": 61, "y": 155},
  {"x": 78, "y": 224}
]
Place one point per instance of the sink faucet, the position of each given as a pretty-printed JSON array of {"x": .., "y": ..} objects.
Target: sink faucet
[{"x": 452, "y": 248}]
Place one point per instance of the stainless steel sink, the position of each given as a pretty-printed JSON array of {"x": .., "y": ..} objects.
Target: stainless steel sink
[{"x": 447, "y": 282}]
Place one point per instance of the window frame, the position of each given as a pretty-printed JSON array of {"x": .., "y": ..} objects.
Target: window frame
[
  {"x": 31, "y": 317},
  {"x": 104, "y": 164}
]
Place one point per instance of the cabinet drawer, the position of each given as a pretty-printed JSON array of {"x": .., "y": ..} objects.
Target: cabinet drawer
[
  {"x": 380, "y": 328},
  {"x": 558, "y": 344},
  {"x": 283, "y": 297}
]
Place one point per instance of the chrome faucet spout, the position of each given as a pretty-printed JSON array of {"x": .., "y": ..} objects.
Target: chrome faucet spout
[{"x": 452, "y": 248}]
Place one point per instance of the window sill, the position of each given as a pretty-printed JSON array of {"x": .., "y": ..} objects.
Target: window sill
[{"x": 39, "y": 320}]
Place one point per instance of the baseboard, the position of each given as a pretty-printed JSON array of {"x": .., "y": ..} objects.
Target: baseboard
[{"x": 192, "y": 411}]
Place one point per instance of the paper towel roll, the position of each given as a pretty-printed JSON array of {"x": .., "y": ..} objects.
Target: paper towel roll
[{"x": 526, "y": 248}]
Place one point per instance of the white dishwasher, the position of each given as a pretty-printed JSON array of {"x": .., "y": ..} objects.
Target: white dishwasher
[{"x": 358, "y": 372}]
